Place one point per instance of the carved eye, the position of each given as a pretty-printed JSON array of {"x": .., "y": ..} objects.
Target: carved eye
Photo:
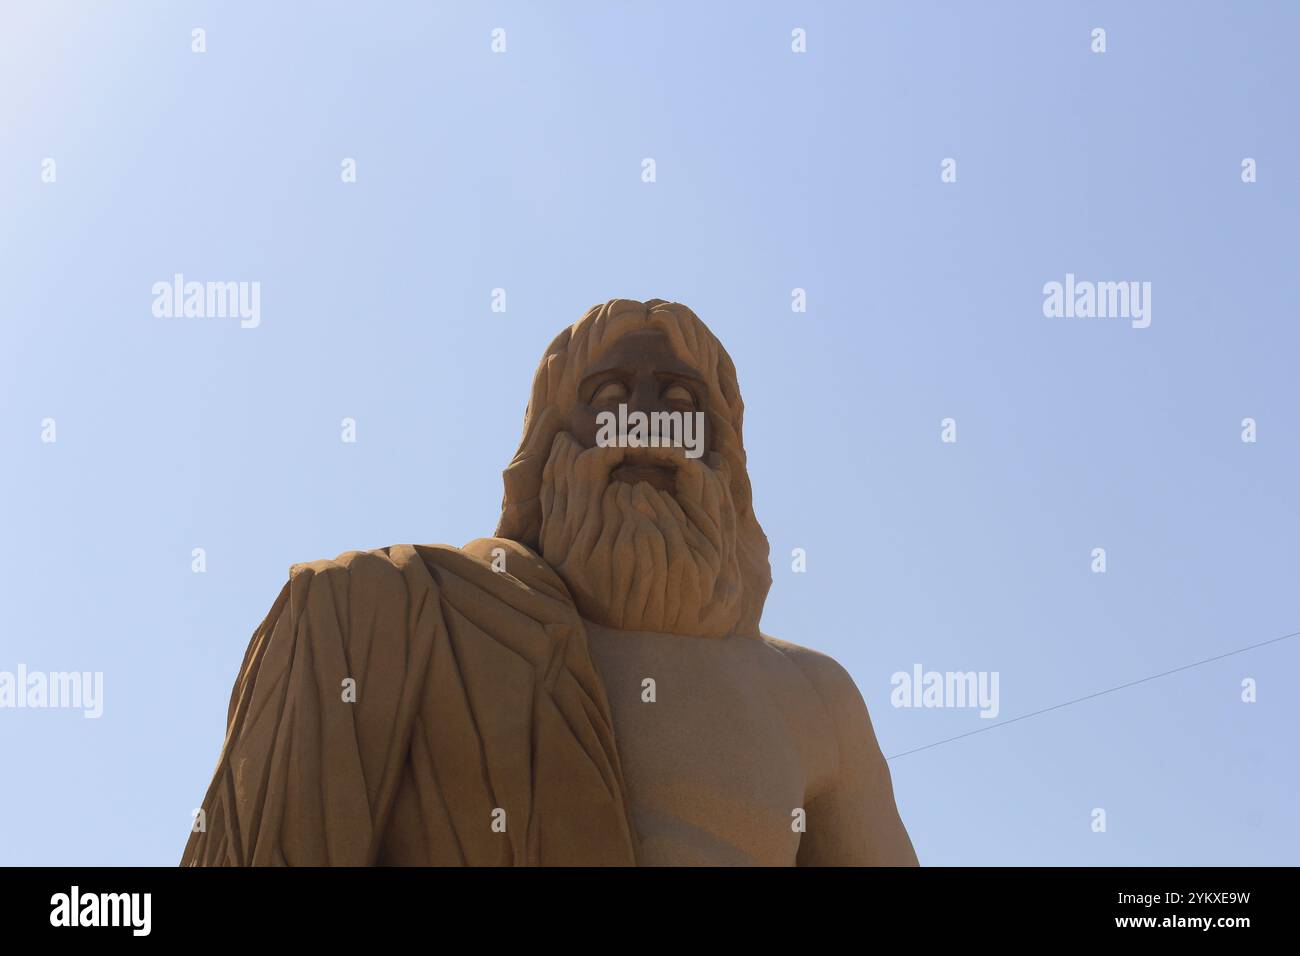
[
  {"x": 679, "y": 394},
  {"x": 609, "y": 392}
]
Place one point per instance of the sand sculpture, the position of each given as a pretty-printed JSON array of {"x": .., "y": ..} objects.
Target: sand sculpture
[{"x": 587, "y": 687}]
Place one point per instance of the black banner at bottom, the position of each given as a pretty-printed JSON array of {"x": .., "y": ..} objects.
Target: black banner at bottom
[{"x": 175, "y": 905}]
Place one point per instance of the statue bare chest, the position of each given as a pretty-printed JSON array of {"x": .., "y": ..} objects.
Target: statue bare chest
[{"x": 719, "y": 742}]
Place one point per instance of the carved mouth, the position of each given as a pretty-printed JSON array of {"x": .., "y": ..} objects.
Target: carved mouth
[{"x": 654, "y": 471}]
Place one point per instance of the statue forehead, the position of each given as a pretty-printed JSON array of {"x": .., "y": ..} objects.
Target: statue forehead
[
  {"x": 573, "y": 355},
  {"x": 640, "y": 346}
]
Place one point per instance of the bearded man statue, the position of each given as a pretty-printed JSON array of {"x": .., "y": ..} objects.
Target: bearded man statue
[{"x": 588, "y": 687}]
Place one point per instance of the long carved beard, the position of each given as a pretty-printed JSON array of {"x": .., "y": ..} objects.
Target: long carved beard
[{"x": 636, "y": 557}]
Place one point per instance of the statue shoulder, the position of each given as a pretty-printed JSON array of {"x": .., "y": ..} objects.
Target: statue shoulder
[
  {"x": 827, "y": 675},
  {"x": 504, "y": 556},
  {"x": 373, "y": 559},
  {"x": 507, "y": 556}
]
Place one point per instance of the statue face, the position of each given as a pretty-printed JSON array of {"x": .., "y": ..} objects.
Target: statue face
[
  {"x": 645, "y": 538},
  {"x": 640, "y": 371}
]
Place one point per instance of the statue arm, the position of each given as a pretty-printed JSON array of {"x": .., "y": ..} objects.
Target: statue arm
[{"x": 854, "y": 822}]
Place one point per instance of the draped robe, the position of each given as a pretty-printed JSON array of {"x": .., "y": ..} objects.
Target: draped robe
[{"x": 480, "y": 733}]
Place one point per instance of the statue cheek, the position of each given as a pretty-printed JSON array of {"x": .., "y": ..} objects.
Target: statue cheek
[{"x": 582, "y": 424}]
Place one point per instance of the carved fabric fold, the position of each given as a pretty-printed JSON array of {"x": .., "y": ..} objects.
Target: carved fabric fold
[{"x": 476, "y": 702}]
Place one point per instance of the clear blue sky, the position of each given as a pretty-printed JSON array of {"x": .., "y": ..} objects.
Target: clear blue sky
[{"x": 774, "y": 171}]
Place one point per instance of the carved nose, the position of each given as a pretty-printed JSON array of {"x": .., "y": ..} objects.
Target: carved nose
[{"x": 645, "y": 398}]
